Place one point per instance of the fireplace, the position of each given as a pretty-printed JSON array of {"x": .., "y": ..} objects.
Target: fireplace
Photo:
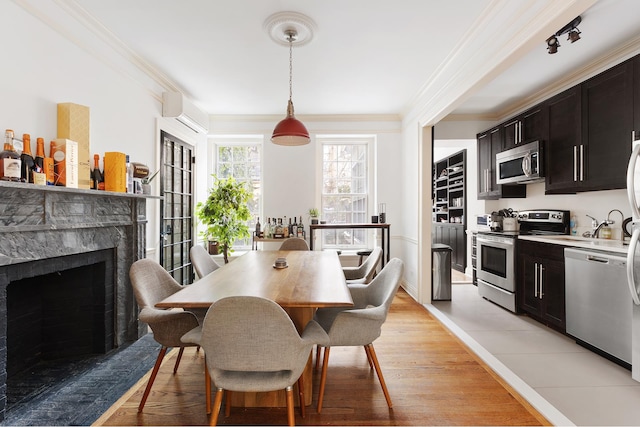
[{"x": 65, "y": 256}]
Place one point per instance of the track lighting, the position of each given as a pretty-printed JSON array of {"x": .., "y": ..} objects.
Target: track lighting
[{"x": 571, "y": 28}]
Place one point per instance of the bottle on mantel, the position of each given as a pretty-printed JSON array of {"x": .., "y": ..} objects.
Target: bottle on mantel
[
  {"x": 97, "y": 180},
  {"x": 26, "y": 160},
  {"x": 9, "y": 159},
  {"x": 39, "y": 159},
  {"x": 49, "y": 165}
]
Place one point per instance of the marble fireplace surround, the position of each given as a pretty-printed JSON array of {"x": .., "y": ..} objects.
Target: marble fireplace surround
[{"x": 43, "y": 222}]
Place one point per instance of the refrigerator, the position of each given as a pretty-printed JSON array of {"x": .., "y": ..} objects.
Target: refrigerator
[{"x": 633, "y": 254}]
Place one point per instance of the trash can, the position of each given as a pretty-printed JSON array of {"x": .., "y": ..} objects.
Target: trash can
[{"x": 441, "y": 272}]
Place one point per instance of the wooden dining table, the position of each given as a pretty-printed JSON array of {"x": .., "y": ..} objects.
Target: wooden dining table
[{"x": 311, "y": 280}]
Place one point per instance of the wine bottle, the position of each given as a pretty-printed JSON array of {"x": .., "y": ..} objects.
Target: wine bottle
[
  {"x": 9, "y": 159},
  {"x": 257, "y": 226},
  {"x": 50, "y": 165},
  {"x": 27, "y": 163},
  {"x": 300, "y": 228},
  {"x": 39, "y": 159},
  {"x": 285, "y": 228},
  {"x": 97, "y": 180}
]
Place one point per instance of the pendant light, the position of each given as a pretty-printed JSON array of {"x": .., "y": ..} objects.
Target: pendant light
[{"x": 290, "y": 131}]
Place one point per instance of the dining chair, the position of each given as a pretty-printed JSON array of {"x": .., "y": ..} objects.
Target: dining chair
[
  {"x": 151, "y": 283},
  {"x": 361, "y": 325},
  {"x": 251, "y": 345},
  {"x": 294, "y": 244},
  {"x": 202, "y": 261},
  {"x": 366, "y": 271}
]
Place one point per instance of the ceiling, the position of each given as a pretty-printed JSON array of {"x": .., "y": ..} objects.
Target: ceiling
[{"x": 367, "y": 56}]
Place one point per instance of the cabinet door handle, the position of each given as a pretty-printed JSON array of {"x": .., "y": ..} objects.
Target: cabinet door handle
[
  {"x": 535, "y": 280},
  {"x": 519, "y": 131},
  {"x": 541, "y": 281},
  {"x": 581, "y": 162},
  {"x": 575, "y": 163}
]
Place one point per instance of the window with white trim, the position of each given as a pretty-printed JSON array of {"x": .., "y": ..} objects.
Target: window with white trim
[
  {"x": 241, "y": 158},
  {"x": 346, "y": 195}
]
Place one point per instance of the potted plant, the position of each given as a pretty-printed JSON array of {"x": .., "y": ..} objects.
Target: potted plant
[
  {"x": 225, "y": 214},
  {"x": 313, "y": 215}
]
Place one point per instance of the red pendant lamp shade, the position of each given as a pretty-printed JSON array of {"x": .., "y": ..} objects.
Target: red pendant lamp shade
[{"x": 290, "y": 131}]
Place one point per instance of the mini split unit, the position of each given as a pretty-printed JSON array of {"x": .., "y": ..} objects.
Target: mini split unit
[{"x": 176, "y": 105}]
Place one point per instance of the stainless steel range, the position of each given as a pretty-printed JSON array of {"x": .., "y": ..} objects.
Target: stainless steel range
[{"x": 496, "y": 253}]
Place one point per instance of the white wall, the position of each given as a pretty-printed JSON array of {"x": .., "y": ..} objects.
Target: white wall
[{"x": 42, "y": 68}]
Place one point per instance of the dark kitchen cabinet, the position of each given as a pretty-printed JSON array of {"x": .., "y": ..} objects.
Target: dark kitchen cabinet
[
  {"x": 527, "y": 127},
  {"x": 563, "y": 147},
  {"x": 590, "y": 129},
  {"x": 540, "y": 276},
  {"x": 454, "y": 236},
  {"x": 490, "y": 143},
  {"x": 607, "y": 123}
]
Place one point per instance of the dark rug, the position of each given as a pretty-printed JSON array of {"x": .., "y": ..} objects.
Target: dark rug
[{"x": 77, "y": 392}]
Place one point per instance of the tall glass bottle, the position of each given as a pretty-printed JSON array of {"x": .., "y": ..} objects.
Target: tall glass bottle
[
  {"x": 26, "y": 160},
  {"x": 97, "y": 180},
  {"x": 39, "y": 159},
  {"x": 9, "y": 159},
  {"x": 300, "y": 228},
  {"x": 50, "y": 165}
]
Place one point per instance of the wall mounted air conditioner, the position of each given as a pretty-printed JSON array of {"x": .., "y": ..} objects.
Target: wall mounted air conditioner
[{"x": 176, "y": 105}]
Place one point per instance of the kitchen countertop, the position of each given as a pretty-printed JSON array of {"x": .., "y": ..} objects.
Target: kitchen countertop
[{"x": 581, "y": 242}]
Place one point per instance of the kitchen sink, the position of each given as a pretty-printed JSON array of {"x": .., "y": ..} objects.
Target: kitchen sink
[{"x": 585, "y": 241}]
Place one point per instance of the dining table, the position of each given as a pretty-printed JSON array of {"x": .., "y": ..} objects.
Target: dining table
[{"x": 310, "y": 280}]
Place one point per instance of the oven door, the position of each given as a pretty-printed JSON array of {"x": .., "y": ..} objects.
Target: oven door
[{"x": 496, "y": 261}]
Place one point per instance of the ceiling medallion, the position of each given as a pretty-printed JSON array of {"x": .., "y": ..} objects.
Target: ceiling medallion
[{"x": 279, "y": 24}]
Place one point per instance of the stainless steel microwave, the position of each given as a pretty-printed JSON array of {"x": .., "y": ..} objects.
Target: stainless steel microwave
[{"x": 522, "y": 164}]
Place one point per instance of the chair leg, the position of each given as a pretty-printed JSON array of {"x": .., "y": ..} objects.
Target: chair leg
[
  {"x": 178, "y": 359},
  {"x": 323, "y": 377},
  {"x": 207, "y": 387},
  {"x": 152, "y": 378},
  {"x": 301, "y": 396},
  {"x": 372, "y": 354},
  {"x": 216, "y": 407},
  {"x": 368, "y": 358},
  {"x": 318, "y": 352},
  {"x": 227, "y": 405},
  {"x": 290, "y": 415}
]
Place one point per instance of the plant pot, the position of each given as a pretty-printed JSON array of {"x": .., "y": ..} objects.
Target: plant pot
[
  {"x": 314, "y": 220},
  {"x": 146, "y": 188},
  {"x": 214, "y": 247}
]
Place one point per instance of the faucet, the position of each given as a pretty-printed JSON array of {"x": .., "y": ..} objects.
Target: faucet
[
  {"x": 612, "y": 222},
  {"x": 596, "y": 225}
]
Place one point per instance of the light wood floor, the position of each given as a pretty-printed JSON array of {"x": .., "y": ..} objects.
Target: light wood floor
[{"x": 432, "y": 378}]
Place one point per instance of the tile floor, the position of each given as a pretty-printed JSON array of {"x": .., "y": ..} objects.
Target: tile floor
[{"x": 564, "y": 381}]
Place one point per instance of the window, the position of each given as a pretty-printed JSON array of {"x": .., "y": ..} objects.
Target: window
[
  {"x": 346, "y": 188},
  {"x": 241, "y": 158}
]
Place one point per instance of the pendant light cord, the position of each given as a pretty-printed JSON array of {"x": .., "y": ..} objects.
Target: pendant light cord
[{"x": 291, "y": 37}]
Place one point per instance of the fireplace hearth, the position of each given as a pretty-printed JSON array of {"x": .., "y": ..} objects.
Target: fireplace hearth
[{"x": 65, "y": 256}]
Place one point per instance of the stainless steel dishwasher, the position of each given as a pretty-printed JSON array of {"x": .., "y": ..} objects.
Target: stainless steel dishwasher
[{"x": 598, "y": 307}]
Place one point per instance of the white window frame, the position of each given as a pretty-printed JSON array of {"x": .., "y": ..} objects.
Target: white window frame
[
  {"x": 369, "y": 141},
  {"x": 212, "y": 166}
]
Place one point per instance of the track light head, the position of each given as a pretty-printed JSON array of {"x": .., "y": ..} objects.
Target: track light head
[
  {"x": 574, "y": 35},
  {"x": 552, "y": 44}
]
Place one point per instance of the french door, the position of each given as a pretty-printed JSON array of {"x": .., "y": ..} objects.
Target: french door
[{"x": 177, "y": 207}]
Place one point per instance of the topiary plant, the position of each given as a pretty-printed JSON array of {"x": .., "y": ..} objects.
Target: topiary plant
[{"x": 225, "y": 213}]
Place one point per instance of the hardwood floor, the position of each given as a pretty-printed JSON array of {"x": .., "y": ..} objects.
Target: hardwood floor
[{"x": 432, "y": 377}]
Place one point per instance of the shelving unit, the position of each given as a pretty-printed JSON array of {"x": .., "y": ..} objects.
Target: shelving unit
[
  {"x": 449, "y": 206},
  {"x": 449, "y": 189}
]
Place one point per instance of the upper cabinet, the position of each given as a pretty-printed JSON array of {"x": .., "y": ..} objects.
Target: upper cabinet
[
  {"x": 524, "y": 128},
  {"x": 586, "y": 131}
]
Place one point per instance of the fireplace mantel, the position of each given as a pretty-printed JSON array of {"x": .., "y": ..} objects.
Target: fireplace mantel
[{"x": 45, "y": 222}]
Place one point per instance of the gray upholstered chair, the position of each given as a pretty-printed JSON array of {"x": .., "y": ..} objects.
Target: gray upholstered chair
[
  {"x": 361, "y": 325},
  {"x": 202, "y": 261},
  {"x": 294, "y": 244},
  {"x": 251, "y": 344},
  {"x": 151, "y": 284},
  {"x": 366, "y": 271}
]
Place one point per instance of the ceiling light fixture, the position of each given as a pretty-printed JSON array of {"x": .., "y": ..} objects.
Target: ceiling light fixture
[
  {"x": 289, "y": 29},
  {"x": 290, "y": 131},
  {"x": 571, "y": 28}
]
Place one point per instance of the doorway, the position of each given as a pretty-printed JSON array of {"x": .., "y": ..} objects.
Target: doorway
[{"x": 177, "y": 207}]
